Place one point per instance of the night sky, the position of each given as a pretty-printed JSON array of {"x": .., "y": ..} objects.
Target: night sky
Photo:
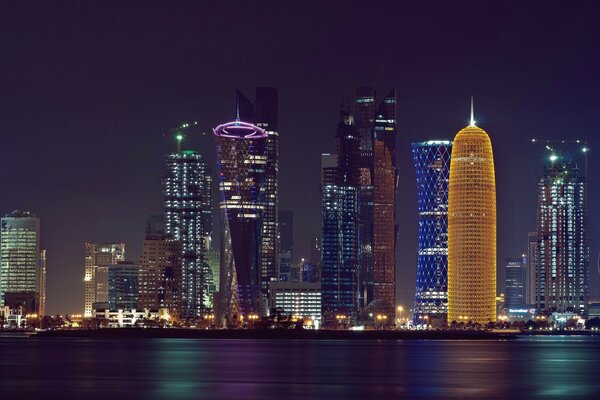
[{"x": 87, "y": 89}]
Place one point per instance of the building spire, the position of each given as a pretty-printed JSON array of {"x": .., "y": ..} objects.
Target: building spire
[{"x": 472, "y": 122}]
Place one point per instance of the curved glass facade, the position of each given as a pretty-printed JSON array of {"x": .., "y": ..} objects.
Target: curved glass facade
[
  {"x": 432, "y": 165},
  {"x": 242, "y": 160}
]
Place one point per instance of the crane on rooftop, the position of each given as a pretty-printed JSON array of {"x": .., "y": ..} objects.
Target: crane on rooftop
[{"x": 183, "y": 130}]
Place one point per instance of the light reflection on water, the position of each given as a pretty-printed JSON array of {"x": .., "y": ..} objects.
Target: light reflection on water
[{"x": 532, "y": 367}]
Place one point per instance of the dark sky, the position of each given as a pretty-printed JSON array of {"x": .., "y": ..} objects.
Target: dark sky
[{"x": 86, "y": 90}]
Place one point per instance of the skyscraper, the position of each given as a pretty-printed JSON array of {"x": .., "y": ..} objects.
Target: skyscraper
[
  {"x": 532, "y": 269},
  {"x": 266, "y": 117},
  {"x": 472, "y": 228},
  {"x": 364, "y": 109},
  {"x": 42, "y": 284},
  {"x": 98, "y": 256},
  {"x": 123, "y": 286},
  {"x": 340, "y": 206},
  {"x": 563, "y": 250},
  {"x": 241, "y": 151},
  {"x": 375, "y": 124},
  {"x": 22, "y": 267},
  {"x": 264, "y": 114},
  {"x": 188, "y": 219},
  {"x": 432, "y": 164},
  {"x": 384, "y": 209},
  {"x": 514, "y": 294}
]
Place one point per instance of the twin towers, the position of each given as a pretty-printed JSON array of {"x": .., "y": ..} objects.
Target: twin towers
[{"x": 457, "y": 229}]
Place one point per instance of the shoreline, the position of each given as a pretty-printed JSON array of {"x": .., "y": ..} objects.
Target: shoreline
[{"x": 271, "y": 334}]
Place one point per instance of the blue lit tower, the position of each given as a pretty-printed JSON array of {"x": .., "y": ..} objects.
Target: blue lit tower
[
  {"x": 188, "y": 219},
  {"x": 241, "y": 153},
  {"x": 432, "y": 164},
  {"x": 340, "y": 203},
  {"x": 562, "y": 247}
]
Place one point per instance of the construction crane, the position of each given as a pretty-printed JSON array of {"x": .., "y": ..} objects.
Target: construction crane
[
  {"x": 183, "y": 130},
  {"x": 584, "y": 143}
]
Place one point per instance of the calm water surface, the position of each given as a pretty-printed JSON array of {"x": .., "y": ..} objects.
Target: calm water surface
[{"x": 530, "y": 368}]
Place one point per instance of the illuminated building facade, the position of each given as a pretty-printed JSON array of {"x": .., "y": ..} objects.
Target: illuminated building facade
[
  {"x": 241, "y": 151},
  {"x": 563, "y": 250},
  {"x": 98, "y": 256},
  {"x": 532, "y": 283},
  {"x": 297, "y": 299},
  {"x": 187, "y": 205},
  {"x": 22, "y": 267},
  {"x": 160, "y": 274},
  {"x": 384, "y": 175},
  {"x": 432, "y": 165},
  {"x": 42, "y": 284},
  {"x": 514, "y": 272},
  {"x": 123, "y": 286},
  {"x": 472, "y": 228},
  {"x": 375, "y": 125},
  {"x": 364, "y": 108},
  {"x": 340, "y": 207},
  {"x": 264, "y": 114}
]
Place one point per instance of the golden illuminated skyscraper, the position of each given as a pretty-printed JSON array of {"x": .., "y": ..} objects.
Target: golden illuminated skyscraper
[{"x": 472, "y": 228}]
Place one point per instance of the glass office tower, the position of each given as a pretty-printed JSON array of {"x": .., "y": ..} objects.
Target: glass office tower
[
  {"x": 20, "y": 262},
  {"x": 340, "y": 208},
  {"x": 188, "y": 219},
  {"x": 432, "y": 165},
  {"x": 241, "y": 152},
  {"x": 562, "y": 247}
]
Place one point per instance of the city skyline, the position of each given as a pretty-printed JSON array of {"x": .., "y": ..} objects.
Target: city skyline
[{"x": 72, "y": 196}]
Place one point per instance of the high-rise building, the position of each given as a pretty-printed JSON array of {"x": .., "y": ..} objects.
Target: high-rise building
[
  {"x": 563, "y": 250},
  {"x": 266, "y": 117},
  {"x": 384, "y": 178},
  {"x": 241, "y": 151},
  {"x": 472, "y": 228},
  {"x": 160, "y": 274},
  {"x": 514, "y": 293},
  {"x": 188, "y": 220},
  {"x": 42, "y": 284},
  {"x": 375, "y": 124},
  {"x": 340, "y": 207},
  {"x": 432, "y": 164},
  {"x": 364, "y": 109},
  {"x": 263, "y": 113},
  {"x": 98, "y": 256},
  {"x": 123, "y": 286},
  {"x": 22, "y": 269},
  {"x": 532, "y": 284}
]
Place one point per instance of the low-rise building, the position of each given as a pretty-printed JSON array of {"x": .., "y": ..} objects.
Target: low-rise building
[{"x": 298, "y": 299}]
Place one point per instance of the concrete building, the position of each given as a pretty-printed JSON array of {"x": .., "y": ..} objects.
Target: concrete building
[
  {"x": 298, "y": 299},
  {"x": 98, "y": 256}
]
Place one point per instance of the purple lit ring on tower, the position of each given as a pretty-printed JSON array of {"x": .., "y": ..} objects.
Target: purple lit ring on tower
[{"x": 239, "y": 130}]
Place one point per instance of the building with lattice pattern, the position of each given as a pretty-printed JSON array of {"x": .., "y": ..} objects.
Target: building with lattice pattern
[
  {"x": 472, "y": 228},
  {"x": 432, "y": 165}
]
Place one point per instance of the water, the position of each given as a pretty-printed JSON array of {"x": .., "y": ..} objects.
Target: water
[{"x": 533, "y": 367}]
